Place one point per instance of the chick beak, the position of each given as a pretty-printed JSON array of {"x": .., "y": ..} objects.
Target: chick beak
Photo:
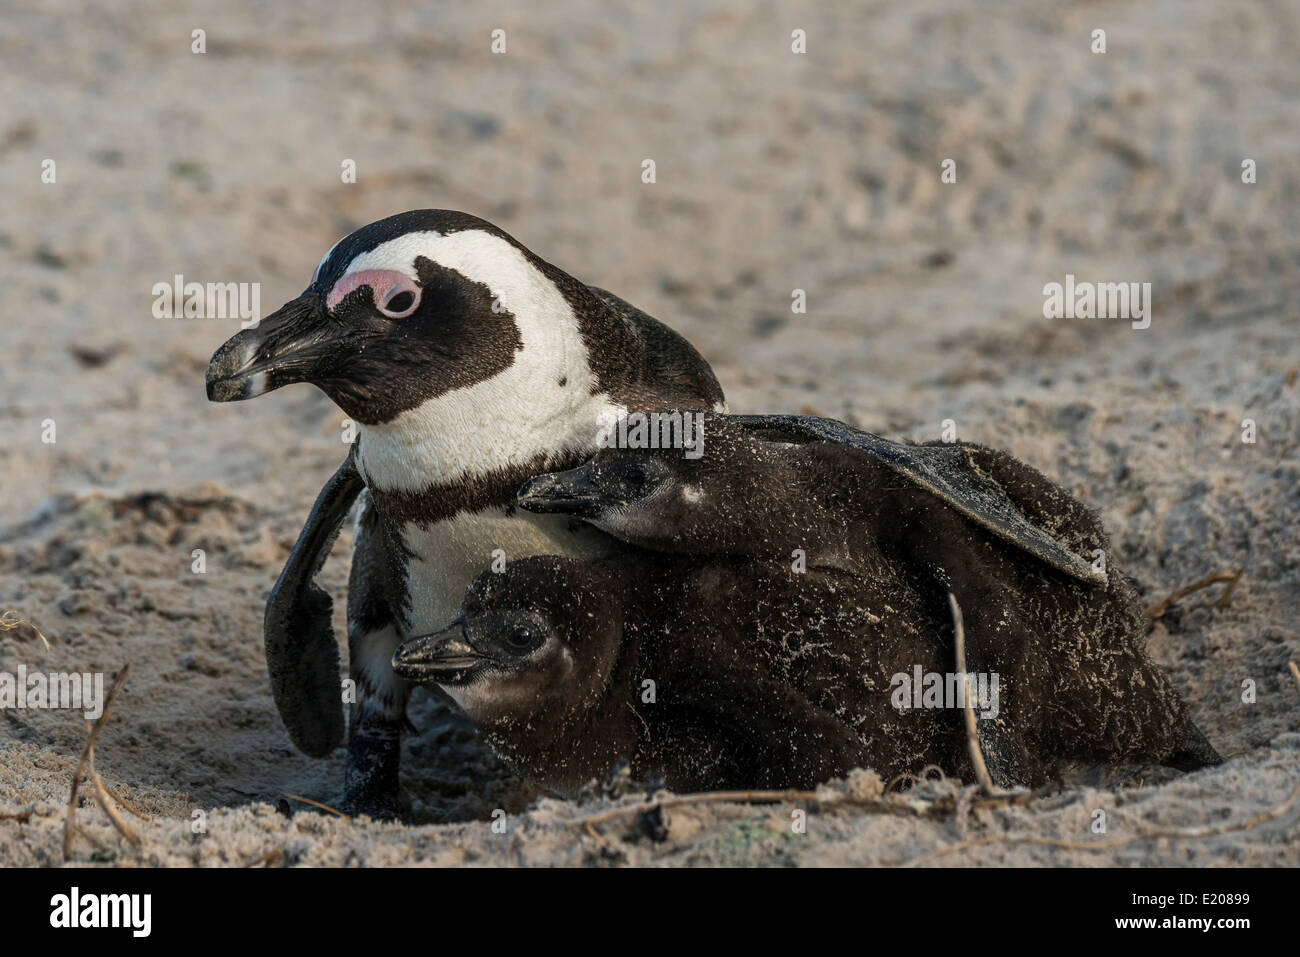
[
  {"x": 290, "y": 345},
  {"x": 442, "y": 656},
  {"x": 572, "y": 492}
]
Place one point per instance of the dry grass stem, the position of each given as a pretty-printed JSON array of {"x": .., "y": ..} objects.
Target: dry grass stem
[
  {"x": 1231, "y": 578},
  {"x": 70, "y": 825}
]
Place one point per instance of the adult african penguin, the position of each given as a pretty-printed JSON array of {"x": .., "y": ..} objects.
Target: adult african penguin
[{"x": 469, "y": 365}]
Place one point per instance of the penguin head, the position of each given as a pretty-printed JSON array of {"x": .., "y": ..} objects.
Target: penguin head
[
  {"x": 403, "y": 311},
  {"x": 662, "y": 499},
  {"x": 539, "y": 637}
]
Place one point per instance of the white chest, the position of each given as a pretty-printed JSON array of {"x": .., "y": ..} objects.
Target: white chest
[{"x": 450, "y": 554}]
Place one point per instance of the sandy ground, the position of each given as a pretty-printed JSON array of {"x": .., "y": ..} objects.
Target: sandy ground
[{"x": 775, "y": 171}]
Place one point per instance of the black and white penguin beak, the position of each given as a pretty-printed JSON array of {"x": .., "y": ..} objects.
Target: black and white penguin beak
[
  {"x": 288, "y": 346},
  {"x": 572, "y": 492},
  {"x": 443, "y": 657}
]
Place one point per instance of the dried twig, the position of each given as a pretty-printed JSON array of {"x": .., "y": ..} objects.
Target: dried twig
[
  {"x": 82, "y": 832},
  {"x": 10, "y": 620},
  {"x": 887, "y": 804},
  {"x": 972, "y": 736},
  {"x": 266, "y": 860},
  {"x": 1295, "y": 673},
  {"x": 1232, "y": 578},
  {"x": 904, "y": 776},
  {"x": 106, "y": 803},
  {"x": 1173, "y": 832},
  {"x": 112, "y": 792},
  {"x": 70, "y": 825},
  {"x": 323, "y": 807},
  {"x": 118, "y": 799}
]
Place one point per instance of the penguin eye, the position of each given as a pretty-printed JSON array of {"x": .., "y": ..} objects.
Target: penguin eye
[
  {"x": 521, "y": 637},
  {"x": 399, "y": 301},
  {"x": 634, "y": 475}
]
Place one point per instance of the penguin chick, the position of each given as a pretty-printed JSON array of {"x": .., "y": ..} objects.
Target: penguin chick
[
  {"x": 710, "y": 674},
  {"x": 1076, "y": 684}
]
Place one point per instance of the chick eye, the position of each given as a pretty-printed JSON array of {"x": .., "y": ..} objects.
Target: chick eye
[
  {"x": 634, "y": 475},
  {"x": 399, "y": 302},
  {"x": 521, "y": 637}
]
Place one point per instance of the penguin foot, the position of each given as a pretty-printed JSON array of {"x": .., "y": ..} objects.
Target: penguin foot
[
  {"x": 370, "y": 784},
  {"x": 378, "y": 807}
]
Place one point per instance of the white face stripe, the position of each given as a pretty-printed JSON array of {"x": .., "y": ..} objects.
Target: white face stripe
[
  {"x": 510, "y": 418},
  {"x": 399, "y": 254},
  {"x": 321, "y": 265}
]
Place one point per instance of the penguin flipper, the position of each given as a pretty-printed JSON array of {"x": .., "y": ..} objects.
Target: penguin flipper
[
  {"x": 946, "y": 472},
  {"x": 684, "y": 381},
  {"x": 301, "y": 653}
]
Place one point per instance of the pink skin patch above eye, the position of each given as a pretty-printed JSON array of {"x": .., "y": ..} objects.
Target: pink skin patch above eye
[{"x": 380, "y": 281}]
